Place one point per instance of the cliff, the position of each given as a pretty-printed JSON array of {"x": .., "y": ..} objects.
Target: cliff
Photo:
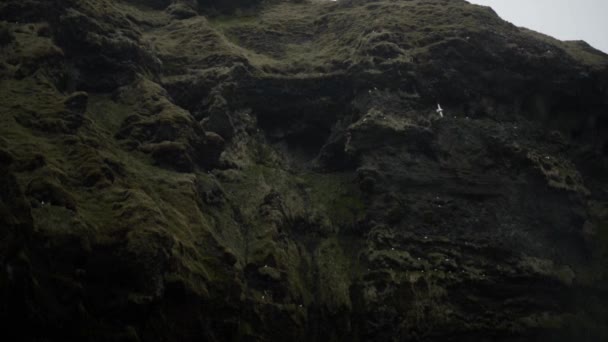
[{"x": 276, "y": 170}]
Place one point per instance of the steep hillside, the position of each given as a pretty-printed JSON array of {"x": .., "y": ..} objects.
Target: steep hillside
[{"x": 276, "y": 170}]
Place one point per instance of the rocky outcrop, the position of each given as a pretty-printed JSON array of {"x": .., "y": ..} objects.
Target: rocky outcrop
[{"x": 277, "y": 170}]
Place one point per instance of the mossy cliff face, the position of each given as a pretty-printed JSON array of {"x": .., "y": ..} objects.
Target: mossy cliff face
[{"x": 270, "y": 171}]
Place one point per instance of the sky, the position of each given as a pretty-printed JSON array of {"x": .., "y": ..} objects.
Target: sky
[{"x": 563, "y": 19}]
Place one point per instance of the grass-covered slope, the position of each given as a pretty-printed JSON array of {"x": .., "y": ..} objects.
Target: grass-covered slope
[{"x": 230, "y": 170}]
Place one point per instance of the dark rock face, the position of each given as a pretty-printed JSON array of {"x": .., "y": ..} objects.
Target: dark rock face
[
  {"x": 156, "y": 4},
  {"x": 279, "y": 172},
  {"x": 6, "y": 36},
  {"x": 16, "y": 227},
  {"x": 226, "y": 6}
]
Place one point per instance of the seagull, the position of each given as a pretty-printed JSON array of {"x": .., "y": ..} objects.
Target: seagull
[{"x": 439, "y": 110}]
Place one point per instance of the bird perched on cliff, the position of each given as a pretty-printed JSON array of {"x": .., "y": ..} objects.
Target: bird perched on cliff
[{"x": 439, "y": 110}]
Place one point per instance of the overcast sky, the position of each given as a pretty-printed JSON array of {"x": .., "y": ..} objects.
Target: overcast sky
[{"x": 563, "y": 19}]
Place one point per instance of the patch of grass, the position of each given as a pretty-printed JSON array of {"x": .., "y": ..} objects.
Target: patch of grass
[
  {"x": 315, "y": 36},
  {"x": 109, "y": 115},
  {"x": 337, "y": 197},
  {"x": 334, "y": 276},
  {"x": 579, "y": 50},
  {"x": 225, "y": 22}
]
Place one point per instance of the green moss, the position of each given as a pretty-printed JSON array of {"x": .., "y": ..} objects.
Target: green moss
[
  {"x": 334, "y": 276},
  {"x": 108, "y": 195},
  {"x": 109, "y": 115},
  {"x": 579, "y": 50},
  {"x": 337, "y": 197},
  {"x": 224, "y": 22}
]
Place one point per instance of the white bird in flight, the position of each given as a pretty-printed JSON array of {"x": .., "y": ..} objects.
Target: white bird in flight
[{"x": 439, "y": 110}]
